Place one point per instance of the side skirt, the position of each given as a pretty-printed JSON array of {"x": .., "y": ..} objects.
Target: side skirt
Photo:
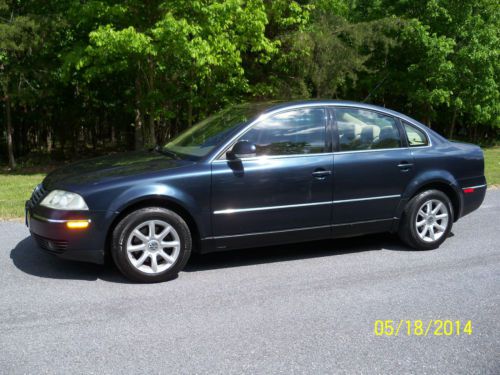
[{"x": 249, "y": 240}]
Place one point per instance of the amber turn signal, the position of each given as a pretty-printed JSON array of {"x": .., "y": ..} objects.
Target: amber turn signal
[{"x": 77, "y": 224}]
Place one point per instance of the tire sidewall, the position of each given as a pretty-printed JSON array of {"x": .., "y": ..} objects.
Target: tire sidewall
[
  {"x": 129, "y": 223},
  {"x": 416, "y": 203}
]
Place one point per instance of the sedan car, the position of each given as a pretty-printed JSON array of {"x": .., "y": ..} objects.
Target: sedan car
[{"x": 259, "y": 174}]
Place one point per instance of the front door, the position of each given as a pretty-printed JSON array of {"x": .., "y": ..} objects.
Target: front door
[
  {"x": 285, "y": 189},
  {"x": 373, "y": 166}
]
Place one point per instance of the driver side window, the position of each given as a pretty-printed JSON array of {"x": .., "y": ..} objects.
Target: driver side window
[{"x": 293, "y": 132}]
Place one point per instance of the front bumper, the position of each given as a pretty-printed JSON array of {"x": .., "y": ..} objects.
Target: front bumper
[{"x": 48, "y": 228}]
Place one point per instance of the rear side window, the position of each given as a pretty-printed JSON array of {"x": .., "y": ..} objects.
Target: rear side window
[
  {"x": 290, "y": 133},
  {"x": 416, "y": 137},
  {"x": 361, "y": 129}
]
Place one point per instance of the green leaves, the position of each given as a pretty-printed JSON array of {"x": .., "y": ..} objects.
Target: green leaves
[{"x": 161, "y": 65}]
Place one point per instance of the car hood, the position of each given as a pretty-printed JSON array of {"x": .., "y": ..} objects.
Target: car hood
[{"x": 107, "y": 168}]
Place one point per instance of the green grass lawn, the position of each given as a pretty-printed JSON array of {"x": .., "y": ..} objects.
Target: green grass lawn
[
  {"x": 16, "y": 187},
  {"x": 492, "y": 165}
]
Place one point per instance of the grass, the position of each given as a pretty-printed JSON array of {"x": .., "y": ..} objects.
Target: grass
[
  {"x": 492, "y": 165},
  {"x": 16, "y": 187}
]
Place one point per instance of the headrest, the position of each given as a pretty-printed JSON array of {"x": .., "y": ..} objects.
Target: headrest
[
  {"x": 349, "y": 131},
  {"x": 387, "y": 133},
  {"x": 367, "y": 134}
]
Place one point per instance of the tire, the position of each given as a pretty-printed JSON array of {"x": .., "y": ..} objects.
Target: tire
[
  {"x": 151, "y": 245},
  {"x": 416, "y": 223}
]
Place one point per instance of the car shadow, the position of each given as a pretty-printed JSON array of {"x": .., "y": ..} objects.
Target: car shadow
[
  {"x": 296, "y": 251},
  {"x": 28, "y": 258}
]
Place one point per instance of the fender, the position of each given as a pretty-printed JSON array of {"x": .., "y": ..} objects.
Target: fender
[
  {"x": 136, "y": 194},
  {"x": 435, "y": 176}
]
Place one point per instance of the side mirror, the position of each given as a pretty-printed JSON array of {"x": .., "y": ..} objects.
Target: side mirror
[{"x": 241, "y": 150}]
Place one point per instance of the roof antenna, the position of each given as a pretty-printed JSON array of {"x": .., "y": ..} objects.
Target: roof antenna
[{"x": 376, "y": 88}]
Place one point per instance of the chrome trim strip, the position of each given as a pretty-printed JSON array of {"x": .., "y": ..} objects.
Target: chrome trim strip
[
  {"x": 363, "y": 222},
  {"x": 367, "y": 199},
  {"x": 372, "y": 150},
  {"x": 401, "y": 117},
  {"x": 272, "y": 157},
  {"x": 475, "y": 187},
  {"x": 297, "y": 229},
  {"x": 264, "y": 233},
  {"x": 56, "y": 221},
  {"x": 237, "y": 210},
  {"x": 265, "y": 208}
]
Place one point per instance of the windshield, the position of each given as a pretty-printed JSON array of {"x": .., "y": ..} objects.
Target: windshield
[{"x": 201, "y": 138}]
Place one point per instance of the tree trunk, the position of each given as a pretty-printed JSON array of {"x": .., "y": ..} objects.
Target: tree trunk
[
  {"x": 75, "y": 139},
  {"x": 113, "y": 136},
  {"x": 10, "y": 147},
  {"x": 49, "y": 140},
  {"x": 94, "y": 134},
  {"x": 453, "y": 121},
  {"x": 152, "y": 134},
  {"x": 138, "y": 140},
  {"x": 138, "y": 128},
  {"x": 190, "y": 113}
]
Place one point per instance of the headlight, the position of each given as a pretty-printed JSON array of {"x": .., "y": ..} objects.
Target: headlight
[{"x": 64, "y": 200}]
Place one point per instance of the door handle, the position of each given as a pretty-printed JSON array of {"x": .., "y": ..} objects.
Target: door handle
[
  {"x": 321, "y": 174},
  {"x": 405, "y": 166}
]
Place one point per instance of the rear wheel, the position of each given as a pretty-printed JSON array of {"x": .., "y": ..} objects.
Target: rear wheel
[
  {"x": 151, "y": 245},
  {"x": 427, "y": 220}
]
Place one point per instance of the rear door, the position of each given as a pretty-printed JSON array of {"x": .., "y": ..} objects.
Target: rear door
[{"x": 373, "y": 166}]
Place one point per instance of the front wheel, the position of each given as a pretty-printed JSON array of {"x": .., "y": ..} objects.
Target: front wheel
[
  {"x": 151, "y": 245},
  {"x": 427, "y": 220}
]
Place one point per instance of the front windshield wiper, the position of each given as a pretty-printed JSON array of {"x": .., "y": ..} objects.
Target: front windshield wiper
[{"x": 166, "y": 152}]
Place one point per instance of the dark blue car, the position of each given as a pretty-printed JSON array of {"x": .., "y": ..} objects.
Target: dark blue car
[{"x": 255, "y": 175}]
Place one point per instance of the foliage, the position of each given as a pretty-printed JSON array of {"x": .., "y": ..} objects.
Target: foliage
[{"x": 113, "y": 74}]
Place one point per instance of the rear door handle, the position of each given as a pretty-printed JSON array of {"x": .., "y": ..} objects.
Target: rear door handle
[
  {"x": 405, "y": 166},
  {"x": 320, "y": 174}
]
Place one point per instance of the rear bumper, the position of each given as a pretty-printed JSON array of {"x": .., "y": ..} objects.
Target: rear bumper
[
  {"x": 473, "y": 197},
  {"x": 48, "y": 229}
]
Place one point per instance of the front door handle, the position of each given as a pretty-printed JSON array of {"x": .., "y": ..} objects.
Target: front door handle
[
  {"x": 321, "y": 174},
  {"x": 405, "y": 166}
]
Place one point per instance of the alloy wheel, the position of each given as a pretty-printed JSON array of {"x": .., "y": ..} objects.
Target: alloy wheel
[
  {"x": 153, "y": 246},
  {"x": 432, "y": 220}
]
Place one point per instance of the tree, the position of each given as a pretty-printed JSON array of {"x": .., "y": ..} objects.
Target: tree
[
  {"x": 18, "y": 39},
  {"x": 186, "y": 51},
  {"x": 324, "y": 57}
]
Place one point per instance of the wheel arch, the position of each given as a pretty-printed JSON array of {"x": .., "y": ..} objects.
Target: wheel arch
[
  {"x": 450, "y": 193},
  {"x": 442, "y": 181},
  {"x": 156, "y": 201}
]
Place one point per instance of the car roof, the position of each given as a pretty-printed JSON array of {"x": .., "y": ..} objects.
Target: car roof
[
  {"x": 277, "y": 105},
  {"x": 273, "y": 106}
]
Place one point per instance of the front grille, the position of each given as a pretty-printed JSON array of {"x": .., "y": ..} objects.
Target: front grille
[
  {"x": 37, "y": 195},
  {"x": 51, "y": 246}
]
